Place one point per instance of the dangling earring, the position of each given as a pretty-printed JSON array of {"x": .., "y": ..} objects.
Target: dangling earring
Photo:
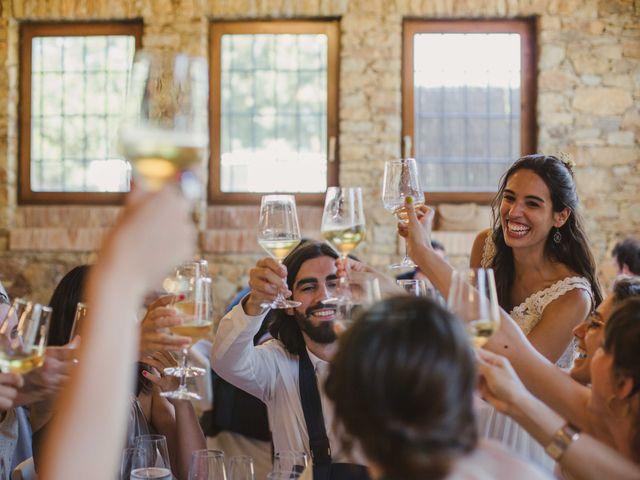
[
  {"x": 557, "y": 236},
  {"x": 612, "y": 412}
]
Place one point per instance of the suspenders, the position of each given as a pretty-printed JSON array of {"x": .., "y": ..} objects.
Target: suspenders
[{"x": 323, "y": 468}]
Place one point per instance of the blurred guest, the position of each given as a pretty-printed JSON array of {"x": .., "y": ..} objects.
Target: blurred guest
[{"x": 626, "y": 254}]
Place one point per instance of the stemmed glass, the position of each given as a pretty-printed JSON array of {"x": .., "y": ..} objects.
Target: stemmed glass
[
  {"x": 413, "y": 286},
  {"x": 279, "y": 234},
  {"x": 23, "y": 336},
  {"x": 241, "y": 468},
  {"x": 164, "y": 132},
  {"x": 153, "y": 461},
  {"x": 401, "y": 181},
  {"x": 290, "y": 462},
  {"x": 207, "y": 465},
  {"x": 473, "y": 298},
  {"x": 343, "y": 226},
  {"x": 195, "y": 306}
]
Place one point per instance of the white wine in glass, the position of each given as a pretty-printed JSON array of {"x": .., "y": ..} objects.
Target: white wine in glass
[
  {"x": 473, "y": 298},
  {"x": 343, "y": 226},
  {"x": 279, "y": 234},
  {"x": 23, "y": 336},
  {"x": 164, "y": 132},
  {"x": 401, "y": 181}
]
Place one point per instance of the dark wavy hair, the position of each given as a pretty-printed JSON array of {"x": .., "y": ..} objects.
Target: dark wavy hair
[
  {"x": 402, "y": 382},
  {"x": 63, "y": 302},
  {"x": 622, "y": 340},
  {"x": 627, "y": 252},
  {"x": 282, "y": 325},
  {"x": 573, "y": 251},
  {"x": 625, "y": 287}
]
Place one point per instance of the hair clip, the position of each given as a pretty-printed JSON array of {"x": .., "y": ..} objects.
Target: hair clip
[{"x": 568, "y": 161}]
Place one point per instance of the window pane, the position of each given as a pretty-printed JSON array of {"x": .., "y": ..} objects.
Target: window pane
[
  {"x": 466, "y": 108},
  {"x": 273, "y": 125},
  {"x": 78, "y": 85}
]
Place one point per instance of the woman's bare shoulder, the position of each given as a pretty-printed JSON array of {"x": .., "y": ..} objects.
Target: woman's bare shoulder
[{"x": 477, "y": 250}]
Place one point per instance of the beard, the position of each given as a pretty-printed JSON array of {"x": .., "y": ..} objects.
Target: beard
[{"x": 324, "y": 332}]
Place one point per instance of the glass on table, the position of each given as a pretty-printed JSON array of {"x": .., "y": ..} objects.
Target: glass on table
[
  {"x": 23, "y": 336},
  {"x": 283, "y": 476},
  {"x": 130, "y": 456},
  {"x": 241, "y": 468},
  {"x": 473, "y": 299},
  {"x": 153, "y": 461},
  {"x": 413, "y": 286},
  {"x": 207, "y": 465},
  {"x": 399, "y": 182},
  {"x": 290, "y": 462},
  {"x": 279, "y": 234}
]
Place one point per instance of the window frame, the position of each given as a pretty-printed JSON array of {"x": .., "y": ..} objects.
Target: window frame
[
  {"x": 29, "y": 30},
  {"x": 328, "y": 26},
  {"x": 526, "y": 27}
]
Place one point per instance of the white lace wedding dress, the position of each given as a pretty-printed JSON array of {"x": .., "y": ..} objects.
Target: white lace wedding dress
[{"x": 492, "y": 424}]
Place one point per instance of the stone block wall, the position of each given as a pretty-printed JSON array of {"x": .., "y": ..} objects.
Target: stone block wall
[{"x": 588, "y": 105}]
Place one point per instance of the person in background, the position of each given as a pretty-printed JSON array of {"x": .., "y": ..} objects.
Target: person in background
[
  {"x": 626, "y": 254},
  {"x": 402, "y": 382}
]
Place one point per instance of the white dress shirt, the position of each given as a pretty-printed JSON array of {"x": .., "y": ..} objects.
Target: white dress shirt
[{"x": 270, "y": 373}]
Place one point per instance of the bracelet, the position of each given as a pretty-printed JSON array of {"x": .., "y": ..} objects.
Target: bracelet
[{"x": 561, "y": 440}]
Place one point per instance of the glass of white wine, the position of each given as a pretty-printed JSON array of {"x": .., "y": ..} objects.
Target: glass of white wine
[
  {"x": 164, "y": 131},
  {"x": 23, "y": 336},
  {"x": 343, "y": 226},
  {"x": 207, "y": 465},
  {"x": 473, "y": 298},
  {"x": 401, "y": 181},
  {"x": 279, "y": 234}
]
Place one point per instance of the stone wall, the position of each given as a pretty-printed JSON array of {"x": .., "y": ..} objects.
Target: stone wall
[{"x": 588, "y": 105}]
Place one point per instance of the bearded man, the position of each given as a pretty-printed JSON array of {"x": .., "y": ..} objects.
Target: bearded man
[{"x": 288, "y": 372}]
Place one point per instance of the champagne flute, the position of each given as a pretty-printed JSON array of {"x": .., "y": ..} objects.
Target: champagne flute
[
  {"x": 23, "y": 336},
  {"x": 207, "y": 465},
  {"x": 343, "y": 226},
  {"x": 401, "y": 181},
  {"x": 197, "y": 311},
  {"x": 279, "y": 234},
  {"x": 153, "y": 462},
  {"x": 473, "y": 298},
  {"x": 164, "y": 132},
  {"x": 241, "y": 468}
]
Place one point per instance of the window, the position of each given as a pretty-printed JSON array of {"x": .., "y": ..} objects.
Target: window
[
  {"x": 73, "y": 82},
  {"x": 468, "y": 103},
  {"x": 274, "y": 109}
]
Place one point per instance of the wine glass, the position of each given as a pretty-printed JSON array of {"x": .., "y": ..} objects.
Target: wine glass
[
  {"x": 130, "y": 456},
  {"x": 413, "y": 286},
  {"x": 241, "y": 468},
  {"x": 401, "y": 181},
  {"x": 78, "y": 320},
  {"x": 23, "y": 336},
  {"x": 473, "y": 298},
  {"x": 153, "y": 462},
  {"x": 290, "y": 461},
  {"x": 343, "y": 226},
  {"x": 197, "y": 311},
  {"x": 164, "y": 131},
  {"x": 283, "y": 476},
  {"x": 207, "y": 465},
  {"x": 279, "y": 234}
]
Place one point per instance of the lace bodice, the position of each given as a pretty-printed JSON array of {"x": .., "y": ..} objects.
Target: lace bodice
[{"x": 529, "y": 312}]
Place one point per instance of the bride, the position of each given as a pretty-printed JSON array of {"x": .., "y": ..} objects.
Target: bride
[{"x": 545, "y": 272}]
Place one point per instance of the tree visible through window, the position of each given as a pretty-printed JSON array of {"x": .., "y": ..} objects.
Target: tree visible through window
[
  {"x": 274, "y": 108},
  {"x": 74, "y": 79},
  {"x": 468, "y": 102}
]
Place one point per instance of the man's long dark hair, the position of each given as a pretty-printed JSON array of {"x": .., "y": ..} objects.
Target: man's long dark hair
[
  {"x": 572, "y": 251},
  {"x": 282, "y": 325}
]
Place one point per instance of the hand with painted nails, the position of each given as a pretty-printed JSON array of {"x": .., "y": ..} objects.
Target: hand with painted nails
[
  {"x": 159, "y": 361},
  {"x": 265, "y": 279},
  {"x": 417, "y": 229},
  {"x": 154, "y": 329}
]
